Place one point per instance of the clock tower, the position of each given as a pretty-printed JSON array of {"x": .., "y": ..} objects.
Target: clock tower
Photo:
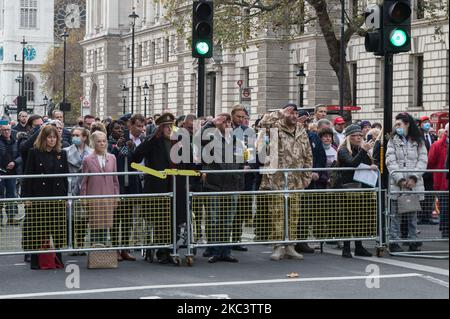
[
  {"x": 69, "y": 14},
  {"x": 32, "y": 20}
]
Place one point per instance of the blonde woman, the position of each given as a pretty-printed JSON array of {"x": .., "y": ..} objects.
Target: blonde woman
[
  {"x": 100, "y": 212},
  {"x": 353, "y": 152}
]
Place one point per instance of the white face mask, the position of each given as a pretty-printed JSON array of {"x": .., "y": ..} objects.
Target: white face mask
[{"x": 326, "y": 146}]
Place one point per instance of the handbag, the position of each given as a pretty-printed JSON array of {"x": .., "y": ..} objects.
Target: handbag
[
  {"x": 49, "y": 260},
  {"x": 408, "y": 203},
  {"x": 102, "y": 259}
]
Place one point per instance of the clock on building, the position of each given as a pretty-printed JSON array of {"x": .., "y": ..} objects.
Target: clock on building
[
  {"x": 70, "y": 14},
  {"x": 30, "y": 53}
]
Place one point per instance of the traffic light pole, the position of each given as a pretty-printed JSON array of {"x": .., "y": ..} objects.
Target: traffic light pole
[
  {"x": 387, "y": 130},
  {"x": 201, "y": 87},
  {"x": 387, "y": 116}
]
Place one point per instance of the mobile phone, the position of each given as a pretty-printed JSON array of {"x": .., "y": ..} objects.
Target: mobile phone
[{"x": 369, "y": 137}]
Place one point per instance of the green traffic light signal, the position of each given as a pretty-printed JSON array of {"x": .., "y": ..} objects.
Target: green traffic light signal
[
  {"x": 202, "y": 48},
  {"x": 398, "y": 38}
]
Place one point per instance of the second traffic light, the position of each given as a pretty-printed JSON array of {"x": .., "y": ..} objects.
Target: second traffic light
[
  {"x": 202, "y": 29},
  {"x": 396, "y": 26},
  {"x": 391, "y": 27}
]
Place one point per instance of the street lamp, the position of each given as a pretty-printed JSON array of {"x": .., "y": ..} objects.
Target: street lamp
[
  {"x": 45, "y": 100},
  {"x": 146, "y": 91},
  {"x": 124, "y": 97},
  {"x": 65, "y": 35},
  {"x": 133, "y": 16},
  {"x": 301, "y": 82},
  {"x": 24, "y": 43}
]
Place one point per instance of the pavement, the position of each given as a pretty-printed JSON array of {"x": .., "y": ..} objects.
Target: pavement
[{"x": 319, "y": 276}]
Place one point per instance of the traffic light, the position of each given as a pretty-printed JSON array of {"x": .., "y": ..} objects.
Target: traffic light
[
  {"x": 21, "y": 104},
  {"x": 65, "y": 107},
  {"x": 202, "y": 29},
  {"x": 396, "y": 26},
  {"x": 374, "y": 39}
]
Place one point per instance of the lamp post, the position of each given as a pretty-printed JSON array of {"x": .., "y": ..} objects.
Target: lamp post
[
  {"x": 133, "y": 16},
  {"x": 301, "y": 82},
  {"x": 24, "y": 43},
  {"x": 146, "y": 91},
  {"x": 45, "y": 100},
  {"x": 65, "y": 35},
  {"x": 124, "y": 97}
]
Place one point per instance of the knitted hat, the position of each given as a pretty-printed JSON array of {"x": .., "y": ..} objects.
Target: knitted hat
[{"x": 352, "y": 129}]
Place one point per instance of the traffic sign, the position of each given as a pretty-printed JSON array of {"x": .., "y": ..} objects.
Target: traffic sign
[
  {"x": 240, "y": 82},
  {"x": 86, "y": 104},
  {"x": 246, "y": 93}
]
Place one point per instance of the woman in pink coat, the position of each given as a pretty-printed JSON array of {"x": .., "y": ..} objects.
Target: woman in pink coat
[{"x": 100, "y": 211}]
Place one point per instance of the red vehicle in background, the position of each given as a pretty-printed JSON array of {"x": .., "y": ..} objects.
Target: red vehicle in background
[{"x": 439, "y": 120}]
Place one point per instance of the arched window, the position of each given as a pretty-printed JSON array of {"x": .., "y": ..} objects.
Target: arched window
[{"x": 29, "y": 88}]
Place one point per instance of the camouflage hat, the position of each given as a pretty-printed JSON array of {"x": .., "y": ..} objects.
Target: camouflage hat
[{"x": 165, "y": 118}]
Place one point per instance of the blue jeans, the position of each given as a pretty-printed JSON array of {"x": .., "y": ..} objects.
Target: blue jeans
[
  {"x": 220, "y": 211},
  {"x": 396, "y": 220},
  {"x": 8, "y": 190}
]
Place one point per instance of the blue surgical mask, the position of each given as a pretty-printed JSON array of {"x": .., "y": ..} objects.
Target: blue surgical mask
[
  {"x": 426, "y": 126},
  {"x": 76, "y": 141},
  {"x": 400, "y": 131}
]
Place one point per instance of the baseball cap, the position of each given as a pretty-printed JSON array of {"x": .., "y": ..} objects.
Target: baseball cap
[
  {"x": 291, "y": 105},
  {"x": 424, "y": 118},
  {"x": 339, "y": 120}
]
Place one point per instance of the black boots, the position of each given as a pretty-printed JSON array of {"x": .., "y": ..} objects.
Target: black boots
[{"x": 359, "y": 250}]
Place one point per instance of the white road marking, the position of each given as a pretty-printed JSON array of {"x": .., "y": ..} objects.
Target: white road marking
[
  {"x": 207, "y": 284},
  {"x": 151, "y": 297},
  {"x": 22, "y": 264},
  {"x": 398, "y": 263},
  {"x": 436, "y": 281}
]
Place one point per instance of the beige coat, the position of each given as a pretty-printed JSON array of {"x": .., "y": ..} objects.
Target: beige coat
[{"x": 294, "y": 151}]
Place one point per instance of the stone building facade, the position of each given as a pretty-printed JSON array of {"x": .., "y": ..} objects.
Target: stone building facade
[{"x": 268, "y": 67}]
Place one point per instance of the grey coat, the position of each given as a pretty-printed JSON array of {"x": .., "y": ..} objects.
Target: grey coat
[
  {"x": 402, "y": 156},
  {"x": 75, "y": 160}
]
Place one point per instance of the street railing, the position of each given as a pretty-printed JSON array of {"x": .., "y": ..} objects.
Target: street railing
[
  {"x": 423, "y": 225},
  {"x": 149, "y": 221}
]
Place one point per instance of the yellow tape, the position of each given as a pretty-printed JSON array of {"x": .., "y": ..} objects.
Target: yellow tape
[
  {"x": 181, "y": 172},
  {"x": 148, "y": 170}
]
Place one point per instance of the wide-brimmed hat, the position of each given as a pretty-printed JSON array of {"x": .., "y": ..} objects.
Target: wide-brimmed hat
[{"x": 165, "y": 118}]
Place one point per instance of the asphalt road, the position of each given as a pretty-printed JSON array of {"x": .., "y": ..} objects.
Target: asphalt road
[{"x": 320, "y": 276}]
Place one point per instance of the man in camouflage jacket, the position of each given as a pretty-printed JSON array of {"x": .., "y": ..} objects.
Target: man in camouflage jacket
[{"x": 289, "y": 142}]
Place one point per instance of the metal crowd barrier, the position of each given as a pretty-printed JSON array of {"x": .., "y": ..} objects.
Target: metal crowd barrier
[
  {"x": 284, "y": 216},
  {"x": 430, "y": 239},
  {"x": 73, "y": 224}
]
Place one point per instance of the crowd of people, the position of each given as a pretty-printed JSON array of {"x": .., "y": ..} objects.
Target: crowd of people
[{"x": 40, "y": 145}]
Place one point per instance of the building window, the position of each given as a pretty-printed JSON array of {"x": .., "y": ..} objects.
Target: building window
[
  {"x": 129, "y": 57},
  {"x": 354, "y": 81},
  {"x": 165, "y": 96},
  {"x": 139, "y": 56},
  {"x": 419, "y": 81},
  {"x": 29, "y": 89},
  {"x": 152, "y": 52},
  {"x": 420, "y": 9},
  {"x": 246, "y": 74},
  {"x": 28, "y": 14},
  {"x": 166, "y": 49}
]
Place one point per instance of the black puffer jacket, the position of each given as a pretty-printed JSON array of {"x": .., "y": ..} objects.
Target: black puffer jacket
[{"x": 354, "y": 159}]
